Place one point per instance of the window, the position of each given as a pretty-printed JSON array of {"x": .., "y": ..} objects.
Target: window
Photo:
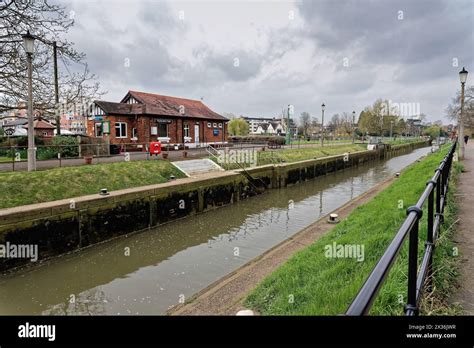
[
  {"x": 162, "y": 130},
  {"x": 214, "y": 125},
  {"x": 120, "y": 130},
  {"x": 208, "y": 124},
  {"x": 45, "y": 134},
  {"x": 186, "y": 130},
  {"x": 220, "y": 125},
  {"x": 134, "y": 133},
  {"x": 98, "y": 129}
]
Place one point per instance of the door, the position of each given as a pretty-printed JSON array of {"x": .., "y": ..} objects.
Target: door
[{"x": 196, "y": 134}]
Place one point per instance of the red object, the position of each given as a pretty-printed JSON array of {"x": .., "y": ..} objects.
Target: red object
[{"x": 155, "y": 148}]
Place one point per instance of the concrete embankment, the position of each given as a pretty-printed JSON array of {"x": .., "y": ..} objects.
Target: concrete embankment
[{"x": 67, "y": 225}]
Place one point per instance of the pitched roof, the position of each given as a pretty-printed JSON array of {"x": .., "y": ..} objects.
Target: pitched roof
[
  {"x": 17, "y": 122},
  {"x": 40, "y": 124},
  {"x": 156, "y": 104},
  {"x": 120, "y": 108}
]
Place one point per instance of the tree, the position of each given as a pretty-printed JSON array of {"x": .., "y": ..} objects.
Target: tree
[
  {"x": 454, "y": 108},
  {"x": 238, "y": 126},
  {"x": 305, "y": 120},
  {"x": 48, "y": 23},
  {"x": 433, "y": 131}
]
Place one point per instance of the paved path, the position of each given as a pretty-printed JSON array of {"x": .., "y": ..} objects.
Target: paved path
[{"x": 465, "y": 232}]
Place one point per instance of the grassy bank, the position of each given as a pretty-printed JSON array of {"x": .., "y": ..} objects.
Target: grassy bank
[
  {"x": 19, "y": 188},
  {"x": 312, "y": 284},
  {"x": 306, "y": 153},
  {"x": 295, "y": 154}
]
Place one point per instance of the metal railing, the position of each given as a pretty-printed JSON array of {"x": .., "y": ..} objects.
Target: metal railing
[{"x": 435, "y": 193}]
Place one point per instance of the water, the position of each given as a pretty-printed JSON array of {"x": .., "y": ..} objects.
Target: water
[{"x": 148, "y": 272}]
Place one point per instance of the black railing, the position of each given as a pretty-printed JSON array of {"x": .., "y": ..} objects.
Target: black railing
[{"x": 435, "y": 193}]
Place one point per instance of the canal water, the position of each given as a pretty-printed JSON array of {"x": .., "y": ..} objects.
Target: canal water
[{"x": 148, "y": 272}]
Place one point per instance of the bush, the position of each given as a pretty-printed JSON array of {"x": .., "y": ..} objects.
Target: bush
[{"x": 67, "y": 146}]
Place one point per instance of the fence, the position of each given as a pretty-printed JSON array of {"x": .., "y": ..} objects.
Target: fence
[{"x": 435, "y": 193}]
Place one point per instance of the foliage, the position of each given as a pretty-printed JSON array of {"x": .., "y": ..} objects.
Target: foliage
[{"x": 238, "y": 126}]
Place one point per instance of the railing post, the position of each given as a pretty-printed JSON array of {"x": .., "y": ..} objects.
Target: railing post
[
  {"x": 430, "y": 234},
  {"x": 411, "y": 307},
  {"x": 438, "y": 197}
]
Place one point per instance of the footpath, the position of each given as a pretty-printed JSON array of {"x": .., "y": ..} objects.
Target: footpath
[{"x": 465, "y": 231}]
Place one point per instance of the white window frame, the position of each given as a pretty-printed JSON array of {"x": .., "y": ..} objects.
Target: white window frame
[
  {"x": 214, "y": 125},
  {"x": 134, "y": 133},
  {"x": 186, "y": 130},
  {"x": 220, "y": 125},
  {"x": 121, "y": 135},
  {"x": 209, "y": 125}
]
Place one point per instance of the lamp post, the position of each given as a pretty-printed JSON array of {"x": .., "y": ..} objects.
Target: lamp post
[
  {"x": 391, "y": 130},
  {"x": 28, "y": 41},
  {"x": 322, "y": 124},
  {"x": 353, "y": 126},
  {"x": 288, "y": 131},
  {"x": 462, "y": 78}
]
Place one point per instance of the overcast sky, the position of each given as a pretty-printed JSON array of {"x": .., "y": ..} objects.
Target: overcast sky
[{"x": 254, "y": 57}]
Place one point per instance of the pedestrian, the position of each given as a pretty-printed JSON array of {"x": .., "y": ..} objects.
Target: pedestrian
[{"x": 466, "y": 138}]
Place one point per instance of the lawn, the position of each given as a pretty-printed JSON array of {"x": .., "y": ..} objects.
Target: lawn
[
  {"x": 312, "y": 284},
  {"x": 306, "y": 153},
  {"x": 19, "y": 188}
]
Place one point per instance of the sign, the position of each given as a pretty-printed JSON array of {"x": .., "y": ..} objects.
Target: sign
[
  {"x": 162, "y": 120},
  {"x": 216, "y": 132},
  {"x": 106, "y": 127},
  {"x": 9, "y": 131},
  {"x": 98, "y": 118}
]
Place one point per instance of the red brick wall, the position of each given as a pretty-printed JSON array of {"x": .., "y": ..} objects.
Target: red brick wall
[{"x": 175, "y": 129}]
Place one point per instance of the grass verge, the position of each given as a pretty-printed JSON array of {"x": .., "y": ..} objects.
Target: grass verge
[
  {"x": 20, "y": 188},
  {"x": 312, "y": 284}
]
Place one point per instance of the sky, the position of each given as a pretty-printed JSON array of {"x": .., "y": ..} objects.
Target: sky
[{"x": 253, "y": 58}]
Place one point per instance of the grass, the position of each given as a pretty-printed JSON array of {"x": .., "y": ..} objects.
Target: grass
[
  {"x": 294, "y": 155},
  {"x": 20, "y": 188},
  {"x": 318, "y": 285}
]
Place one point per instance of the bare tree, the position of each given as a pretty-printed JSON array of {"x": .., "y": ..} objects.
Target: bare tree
[
  {"x": 454, "y": 108},
  {"x": 48, "y": 23},
  {"x": 305, "y": 119}
]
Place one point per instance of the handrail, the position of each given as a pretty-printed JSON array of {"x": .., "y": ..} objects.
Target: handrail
[
  {"x": 435, "y": 193},
  {"x": 215, "y": 153}
]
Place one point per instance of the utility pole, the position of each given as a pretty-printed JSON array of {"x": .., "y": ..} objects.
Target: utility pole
[
  {"x": 56, "y": 89},
  {"x": 391, "y": 130},
  {"x": 28, "y": 41}
]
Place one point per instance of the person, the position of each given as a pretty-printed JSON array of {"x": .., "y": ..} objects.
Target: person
[{"x": 466, "y": 138}]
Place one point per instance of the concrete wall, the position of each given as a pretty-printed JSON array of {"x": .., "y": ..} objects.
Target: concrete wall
[{"x": 62, "y": 226}]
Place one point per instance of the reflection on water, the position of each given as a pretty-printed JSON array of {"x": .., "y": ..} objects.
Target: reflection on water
[{"x": 174, "y": 261}]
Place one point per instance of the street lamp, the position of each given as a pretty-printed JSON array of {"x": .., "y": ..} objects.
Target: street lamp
[
  {"x": 288, "y": 135},
  {"x": 353, "y": 126},
  {"x": 28, "y": 42},
  {"x": 391, "y": 130},
  {"x": 462, "y": 78},
  {"x": 322, "y": 124}
]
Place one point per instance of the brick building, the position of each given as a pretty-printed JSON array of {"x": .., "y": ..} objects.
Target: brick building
[{"x": 144, "y": 117}]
